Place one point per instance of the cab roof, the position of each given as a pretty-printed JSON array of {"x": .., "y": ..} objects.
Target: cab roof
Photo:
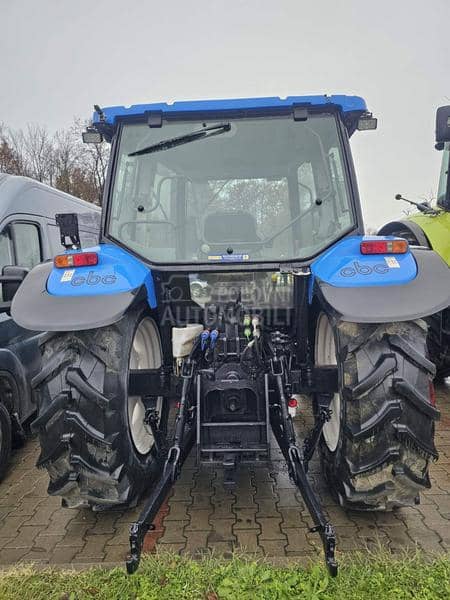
[{"x": 349, "y": 105}]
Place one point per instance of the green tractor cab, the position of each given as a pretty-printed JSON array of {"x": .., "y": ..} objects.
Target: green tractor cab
[{"x": 430, "y": 228}]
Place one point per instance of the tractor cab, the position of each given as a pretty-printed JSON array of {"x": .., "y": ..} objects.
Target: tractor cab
[
  {"x": 443, "y": 143},
  {"x": 232, "y": 189},
  {"x": 207, "y": 185},
  {"x": 205, "y": 188}
]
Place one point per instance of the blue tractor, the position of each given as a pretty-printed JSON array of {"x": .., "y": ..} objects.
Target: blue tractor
[{"x": 232, "y": 275}]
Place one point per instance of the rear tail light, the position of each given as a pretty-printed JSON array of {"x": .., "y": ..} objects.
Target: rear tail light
[
  {"x": 384, "y": 247},
  {"x": 79, "y": 259}
]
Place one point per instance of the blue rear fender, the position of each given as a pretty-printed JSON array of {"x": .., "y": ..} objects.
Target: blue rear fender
[
  {"x": 379, "y": 288},
  {"x": 73, "y": 299},
  {"x": 117, "y": 271},
  {"x": 344, "y": 265}
]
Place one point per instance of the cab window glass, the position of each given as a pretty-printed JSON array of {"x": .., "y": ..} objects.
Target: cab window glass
[
  {"x": 263, "y": 190},
  {"x": 443, "y": 179},
  {"x": 27, "y": 244},
  {"x": 341, "y": 207},
  {"x": 6, "y": 251},
  {"x": 20, "y": 245}
]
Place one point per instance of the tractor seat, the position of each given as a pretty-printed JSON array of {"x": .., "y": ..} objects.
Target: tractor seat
[{"x": 224, "y": 227}]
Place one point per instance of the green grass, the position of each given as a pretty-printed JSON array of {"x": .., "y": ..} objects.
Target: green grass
[{"x": 168, "y": 577}]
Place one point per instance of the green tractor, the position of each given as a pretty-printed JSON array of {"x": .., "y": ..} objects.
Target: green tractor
[{"x": 430, "y": 228}]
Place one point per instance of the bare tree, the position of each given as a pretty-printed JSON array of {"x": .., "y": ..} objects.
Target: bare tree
[
  {"x": 95, "y": 162},
  {"x": 35, "y": 151},
  {"x": 60, "y": 160},
  {"x": 65, "y": 160},
  {"x": 99, "y": 155},
  {"x": 9, "y": 161}
]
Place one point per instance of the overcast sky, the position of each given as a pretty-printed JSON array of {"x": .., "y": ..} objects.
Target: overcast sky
[{"x": 59, "y": 57}]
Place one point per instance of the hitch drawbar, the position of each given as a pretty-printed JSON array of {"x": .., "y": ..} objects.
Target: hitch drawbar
[{"x": 185, "y": 437}]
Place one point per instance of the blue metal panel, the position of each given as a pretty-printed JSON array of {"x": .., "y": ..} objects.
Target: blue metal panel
[
  {"x": 117, "y": 271},
  {"x": 345, "y": 103},
  {"x": 343, "y": 265}
]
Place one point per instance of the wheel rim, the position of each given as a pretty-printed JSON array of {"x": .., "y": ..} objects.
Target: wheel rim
[
  {"x": 325, "y": 354},
  {"x": 145, "y": 354}
]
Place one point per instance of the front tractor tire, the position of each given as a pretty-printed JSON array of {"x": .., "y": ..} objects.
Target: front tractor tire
[
  {"x": 377, "y": 447},
  {"x": 95, "y": 445}
]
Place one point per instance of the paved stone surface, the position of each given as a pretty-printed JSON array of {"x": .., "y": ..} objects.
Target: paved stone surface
[{"x": 263, "y": 516}]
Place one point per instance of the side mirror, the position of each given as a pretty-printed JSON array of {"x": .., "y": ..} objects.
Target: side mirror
[
  {"x": 442, "y": 126},
  {"x": 10, "y": 280}
]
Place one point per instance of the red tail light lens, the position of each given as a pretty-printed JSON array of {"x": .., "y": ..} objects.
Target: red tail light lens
[
  {"x": 80, "y": 259},
  {"x": 384, "y": 247}
]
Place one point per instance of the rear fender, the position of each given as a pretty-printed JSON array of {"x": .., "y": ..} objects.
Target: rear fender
[
  {"x": 413, "y": 233},
  {"x": 437, "y": 230},
  {"x": 52, "y": 299},
  {"x": 378, "y": 288}
]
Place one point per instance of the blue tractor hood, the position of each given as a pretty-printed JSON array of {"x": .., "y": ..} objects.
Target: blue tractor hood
[{"x": 351, "y": 107}]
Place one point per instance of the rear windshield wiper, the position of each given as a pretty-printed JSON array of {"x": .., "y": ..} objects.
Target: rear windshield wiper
[{"x": 184, "y": 139}]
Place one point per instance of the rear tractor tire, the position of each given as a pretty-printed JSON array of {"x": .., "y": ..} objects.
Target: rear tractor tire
[
  {"x": 95, "y": 445},
  {"x": 377, "y": 447}
]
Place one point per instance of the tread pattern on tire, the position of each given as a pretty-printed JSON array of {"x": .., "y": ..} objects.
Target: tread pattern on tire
[
  {"x": 81, "y": 422},
  {"x": 387, "y": 438}
]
